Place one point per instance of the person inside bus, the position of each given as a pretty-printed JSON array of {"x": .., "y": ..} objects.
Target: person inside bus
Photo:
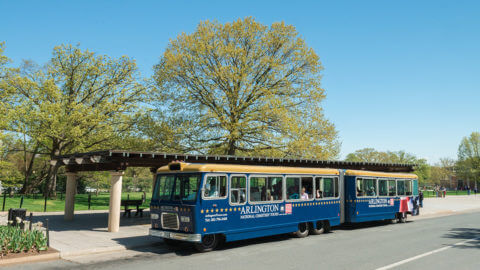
[
  {"x": 304, "y": 194},
  {"x": 319, "y": 194}
]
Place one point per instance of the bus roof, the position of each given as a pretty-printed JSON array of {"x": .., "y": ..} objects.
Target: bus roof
[
  {"x": 381, "y": 174},
  {"x": 198, "y": 167}
]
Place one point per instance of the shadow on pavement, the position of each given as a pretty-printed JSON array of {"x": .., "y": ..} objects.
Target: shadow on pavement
[
  {"x": 472, "y": 234},
  {"x": 364, "y": 225},
  {"x": 88, "y": 221}
]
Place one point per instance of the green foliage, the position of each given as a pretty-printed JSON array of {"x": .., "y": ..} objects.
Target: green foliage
[
  {"x": 15, "y": 240},
  {"x": 242, "y": 88},
  {"x": 468, "y": 164},
  {"x": 422, "y": 170},
  {"x": 79, "y": 101}
]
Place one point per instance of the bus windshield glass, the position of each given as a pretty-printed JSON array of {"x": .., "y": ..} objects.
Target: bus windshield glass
[{"x": 176, "y": 187}]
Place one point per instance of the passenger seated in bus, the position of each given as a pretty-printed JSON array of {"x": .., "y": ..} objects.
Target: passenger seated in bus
[
  {"x": 371, "y": 192},
  {"x": 319, "y": 194},
  {"x": 304, "y": 194}
]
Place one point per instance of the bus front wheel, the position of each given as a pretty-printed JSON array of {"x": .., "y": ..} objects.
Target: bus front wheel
[
  {"x": 302, "y": 231},
  {"x": 209, "y": 242}
]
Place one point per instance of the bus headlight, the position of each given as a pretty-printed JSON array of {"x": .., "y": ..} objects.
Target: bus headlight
[
  {"x": 184, "y": 219},
  {"x": 154, "y": 216}
]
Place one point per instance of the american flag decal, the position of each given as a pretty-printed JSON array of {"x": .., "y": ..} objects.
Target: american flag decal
[{"x": 288, "y": 208}]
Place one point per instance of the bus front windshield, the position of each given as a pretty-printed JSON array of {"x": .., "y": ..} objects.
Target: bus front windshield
[{"x": 176, "y": 187}]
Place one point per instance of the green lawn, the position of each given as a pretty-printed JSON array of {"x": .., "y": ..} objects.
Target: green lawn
[
  {"x": 429, "y": 193},
  {"x": 99, "y": 202}
]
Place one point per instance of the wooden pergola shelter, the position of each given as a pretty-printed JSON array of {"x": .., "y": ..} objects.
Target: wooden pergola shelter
[{"x": 116, "y": 161}]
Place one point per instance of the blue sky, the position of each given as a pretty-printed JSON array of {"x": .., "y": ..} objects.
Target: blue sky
[{"x": 399, "y": 75}]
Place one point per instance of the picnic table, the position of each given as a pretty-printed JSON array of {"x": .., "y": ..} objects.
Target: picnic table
[{"x": 136, "y": 203}]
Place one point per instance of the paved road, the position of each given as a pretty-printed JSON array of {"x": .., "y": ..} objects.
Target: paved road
[{"x": 451, "y": 242}]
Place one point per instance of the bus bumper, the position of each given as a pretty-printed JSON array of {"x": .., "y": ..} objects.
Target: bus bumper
[{"x": 189, "y": 237}]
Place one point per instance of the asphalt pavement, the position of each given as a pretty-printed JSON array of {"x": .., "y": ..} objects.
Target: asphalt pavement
[{"x": 437, "y": 243}]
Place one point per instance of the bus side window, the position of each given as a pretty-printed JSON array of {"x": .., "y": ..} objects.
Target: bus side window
[
  {"x": 318, "y": 187},
  {"x": 293, "y": 188},
  {"x": 360, "y": 187},
  {"x": 215, "y": 186},
  {"x": 382, "y": 187},
  {"x": 257, "y": 186},
  {"x": 307, "y": 183},
  {"x": 408, "y": 187},
  {"x": 336, "y": 186},
  {"x": 400, "y": 187},
  {"x": 274, "y": 189},
  {"x": 238, "y": 190},
  {"x": 328, "y": 187},
  {"x": 392, "y": 188}
]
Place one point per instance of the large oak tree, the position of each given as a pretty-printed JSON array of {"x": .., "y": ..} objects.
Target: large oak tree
[{"x": 245, "y": 88}]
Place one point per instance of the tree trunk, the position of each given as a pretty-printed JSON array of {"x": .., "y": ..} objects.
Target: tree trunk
[
  {"x": 28, "y": 172},
  {"x": 231, "y": 148}
]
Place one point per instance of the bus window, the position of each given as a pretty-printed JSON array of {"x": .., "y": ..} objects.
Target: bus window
[
  {"x": 293, "y": 188},
  {"x": 318, "y": 187},
  {"x": 164, "y": 187},
  {"x": 307, "y": 183},
  {"x": 328, "y": 187},
  {"x": 238, "y": 189},
  {"x": 266, "y": 189},
  {"x": 408, "y": 187},
  {"x": 336, "y": 187},
  {"x": 400, "y": 187},
  {"x": 215, "y": 186},
  {"x": 360, "y": 188},
  {"x": 392, "y": 188},
  {"x": 382, "y": 187},
  {"x": 366, "y": 187},
  {"x": 275, "y": 188}
]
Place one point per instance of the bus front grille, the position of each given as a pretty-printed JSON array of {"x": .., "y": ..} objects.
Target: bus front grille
[{"x": 170, "y": 221}]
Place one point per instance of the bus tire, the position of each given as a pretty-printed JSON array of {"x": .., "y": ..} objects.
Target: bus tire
[
  {"x": 302, "y": 231},
  {"x": 402, "y": 217},
  {"x": 209, "y": 243},
  {"x": 326, "y": 226},
  {"x": 317, "y": 228},
  {"x": 171, "y": 242}
]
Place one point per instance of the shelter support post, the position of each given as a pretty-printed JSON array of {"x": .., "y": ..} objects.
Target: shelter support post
[
  {"x": 70, "y": 195},
  {"x": 115, "y": 201}
]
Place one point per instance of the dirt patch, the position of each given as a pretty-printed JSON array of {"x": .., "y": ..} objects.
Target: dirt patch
[{"x": 27, "y": 254}]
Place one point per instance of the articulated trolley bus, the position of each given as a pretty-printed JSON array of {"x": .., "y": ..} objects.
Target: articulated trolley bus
[{"x": 209, "y": 203}]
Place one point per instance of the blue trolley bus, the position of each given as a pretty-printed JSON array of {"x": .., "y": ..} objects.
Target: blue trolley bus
[{"x": 209, "y": 203}]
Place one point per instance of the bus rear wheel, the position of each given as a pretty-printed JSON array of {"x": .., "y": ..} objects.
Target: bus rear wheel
[
  {"x": 402, "y": 217},
  {"x": 317, "y": 228},
  {"x": 302, "y": 231},
  {"x": 209, "y": 242}
]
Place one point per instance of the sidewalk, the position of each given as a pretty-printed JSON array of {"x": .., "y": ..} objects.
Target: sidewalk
[
  {"x": 88, "y": 233},
  {"x": 435, "y": 207}
]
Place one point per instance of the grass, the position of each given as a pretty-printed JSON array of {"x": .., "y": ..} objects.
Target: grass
[
  {"x": 430, "y": 194},
  {"x": 99, "y": 202}
]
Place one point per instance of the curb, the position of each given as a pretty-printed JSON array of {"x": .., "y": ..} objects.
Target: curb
[{"x": 31, "y": 259}]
